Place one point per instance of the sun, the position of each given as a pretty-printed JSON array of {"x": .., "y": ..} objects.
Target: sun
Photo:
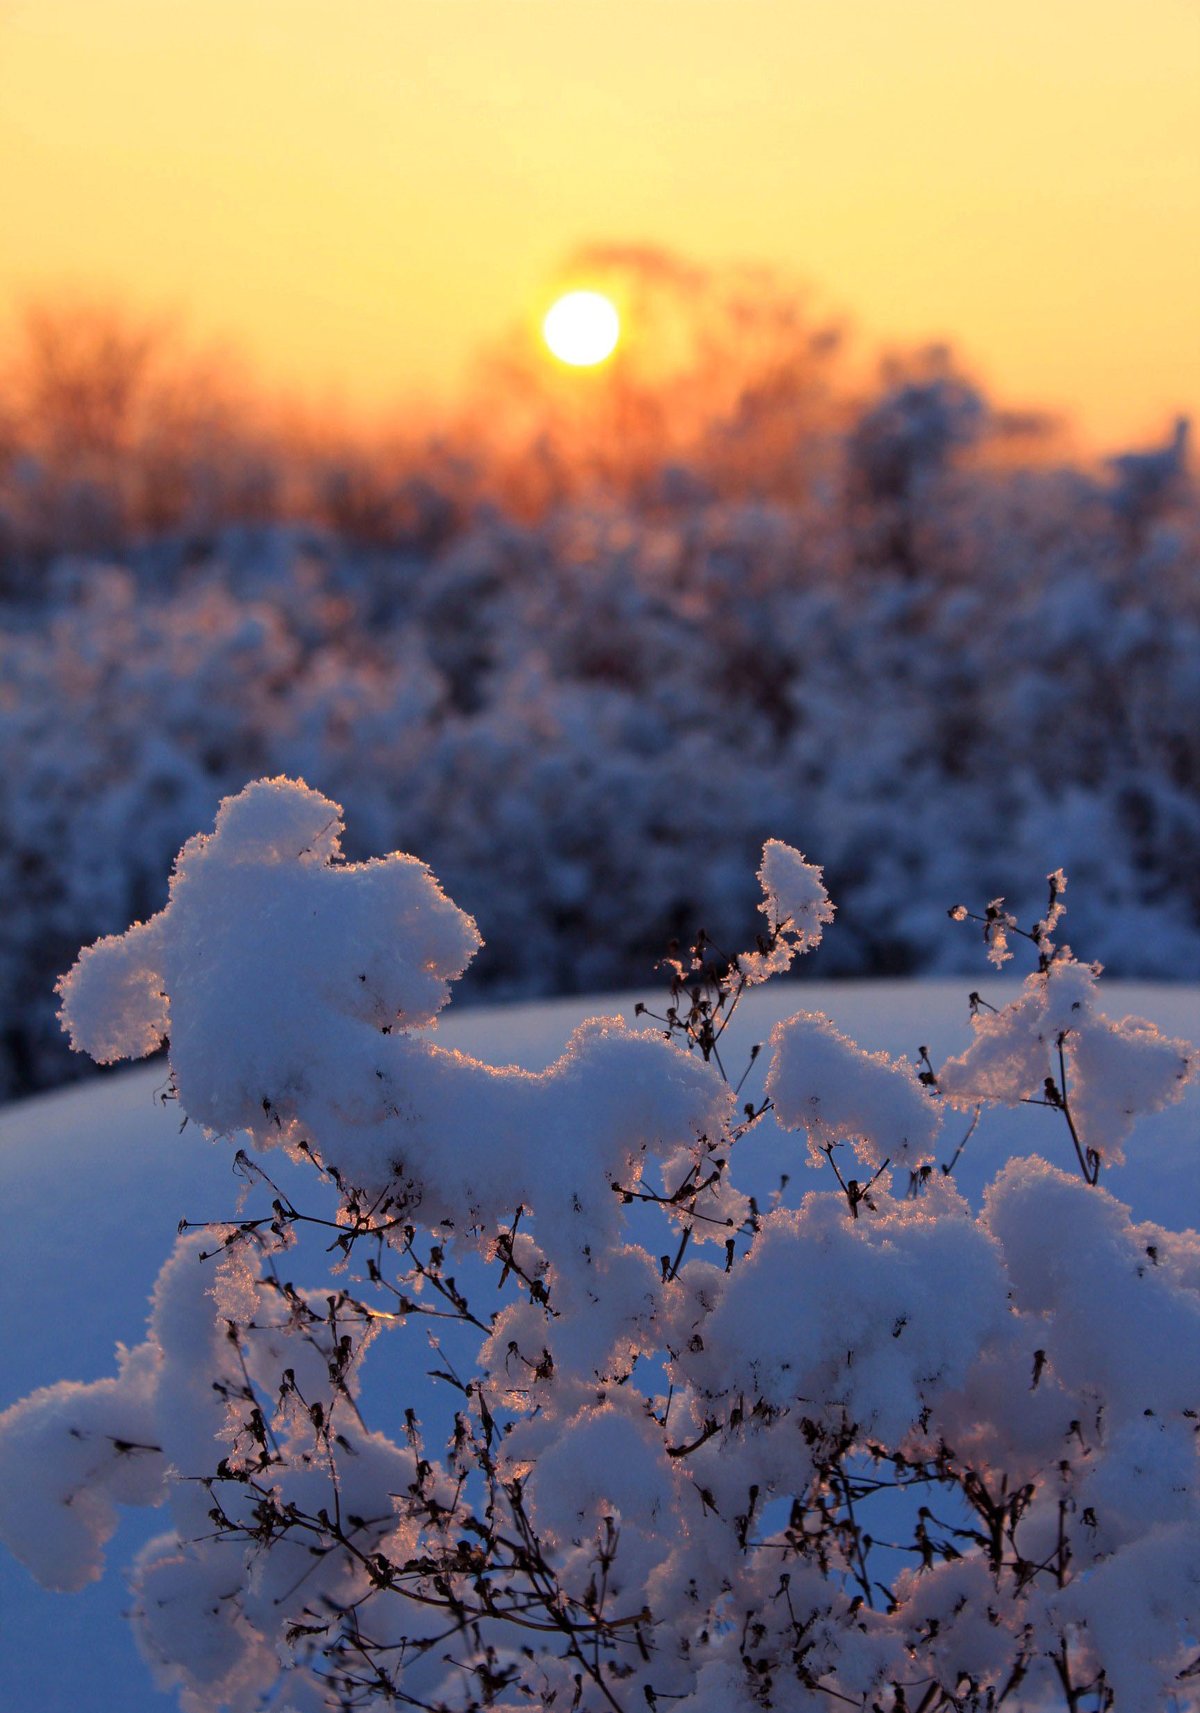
[{"x": 582, "y": 328}]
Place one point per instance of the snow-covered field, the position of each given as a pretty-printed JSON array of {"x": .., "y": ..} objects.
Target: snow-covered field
[{"x": 93, "y": 1181}]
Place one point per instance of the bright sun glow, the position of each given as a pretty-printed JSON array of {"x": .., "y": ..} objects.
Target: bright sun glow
[{"x": 582, "y": 328}]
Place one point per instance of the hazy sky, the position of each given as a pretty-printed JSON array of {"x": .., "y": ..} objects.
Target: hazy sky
[{"x": 361, "y": 192}]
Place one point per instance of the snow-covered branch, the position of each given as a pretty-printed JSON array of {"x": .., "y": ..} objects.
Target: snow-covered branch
[{"x": 866, "y": 1447}]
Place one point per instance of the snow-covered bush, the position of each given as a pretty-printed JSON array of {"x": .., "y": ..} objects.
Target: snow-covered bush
[
  {"x": 858, "y": 1447},
  {"x": 744, "y": 595},
  {"x": 550, "y": 712}
]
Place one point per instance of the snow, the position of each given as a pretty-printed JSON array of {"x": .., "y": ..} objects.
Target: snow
[
  {"x": 295, "y": 981},
  {"x": 74, "y": 1445},
  {"x": 1119, "y": 1308},
  {"x": 87, "y": 1276},
  {"x": 874, "y": 1287},
  {"x": 796, "y": 906},
  {"x": 590, "y": 690},
  {"x": 1115, "y": 1069},
  {"x": 260, "y": 922},
  {"x": 823, "y": 1084},
  {"x": 938, "y": 677},
  {"x": 884, "y": 1347}
]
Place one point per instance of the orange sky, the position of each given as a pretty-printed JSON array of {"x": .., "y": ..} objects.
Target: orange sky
[{"x": 361, "y": 194}]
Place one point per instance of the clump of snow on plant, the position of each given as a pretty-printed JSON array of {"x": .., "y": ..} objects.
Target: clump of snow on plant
[
  {"x": 263, "y": 936},
  {"x": 290, "y": 983},
  {"x": 1114, "y": 1070},
  {"x": 868, "y": 1447},
  {"x": 795, "y": 904},
  {"x": 73, "y": 1453},
  {"x": 822, "y": 1083}
]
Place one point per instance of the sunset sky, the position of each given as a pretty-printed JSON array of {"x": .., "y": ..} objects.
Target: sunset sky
[{"x": 361, "y": 196}]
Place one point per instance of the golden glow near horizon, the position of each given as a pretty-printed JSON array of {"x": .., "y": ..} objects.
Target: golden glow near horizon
[
  {"x": 582, "y": 328},
  {"x": 360, "y": 198}
]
